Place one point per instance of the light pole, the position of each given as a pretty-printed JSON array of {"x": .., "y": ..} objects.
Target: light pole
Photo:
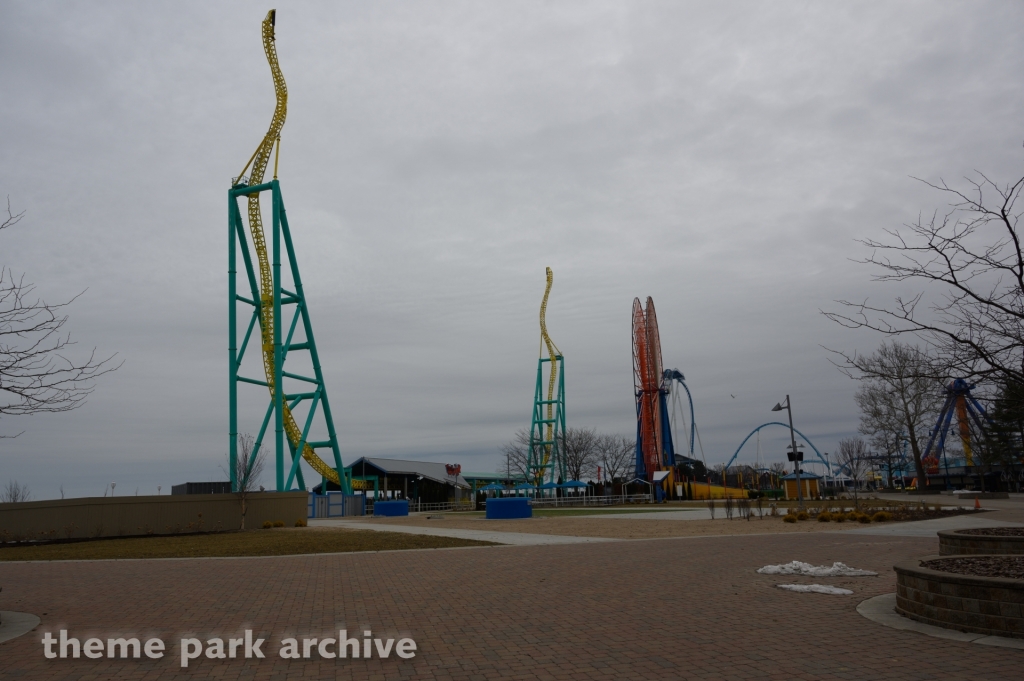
[{"x": 796, "y": 454}]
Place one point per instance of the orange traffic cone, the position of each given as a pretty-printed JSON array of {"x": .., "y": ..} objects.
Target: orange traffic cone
[{"x": 977, "y": 504}]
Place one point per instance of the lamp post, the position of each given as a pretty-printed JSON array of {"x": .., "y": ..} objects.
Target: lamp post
[{"x": 796, "y": 454}]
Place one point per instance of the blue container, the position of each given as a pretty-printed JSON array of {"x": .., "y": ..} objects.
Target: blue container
[
  {"x": 390, "y": 508},
  {"x": 513, "y": 507}
]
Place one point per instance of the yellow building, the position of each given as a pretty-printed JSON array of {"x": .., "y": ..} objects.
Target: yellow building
[{"x": 809, "y": 482}]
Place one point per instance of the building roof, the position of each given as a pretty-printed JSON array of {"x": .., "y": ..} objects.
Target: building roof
[
  {"x": 804, "y": 475},
  {"x": 427, "y": 469}
]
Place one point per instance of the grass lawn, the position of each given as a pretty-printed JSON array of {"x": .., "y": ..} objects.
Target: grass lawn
[{"x": 277, "y": 542}]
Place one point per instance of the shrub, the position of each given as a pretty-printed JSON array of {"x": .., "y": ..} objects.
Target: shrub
[
  {"x": 789, "y": 518},
  {"x": 278, "y": 523},
  {"x": 824, "y": 517},
  {"x": 301, "y": 522},
  {"x": 267, "y": 524},
  {"x": 803, "y": 515},
  {"x": 863, "y": 518},
  {"x": 839, "y": 517},
  {"x": 882, "y": 516}
]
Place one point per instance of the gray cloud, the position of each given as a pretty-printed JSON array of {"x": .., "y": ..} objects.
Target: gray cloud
[{"x": 437, "y": 156}]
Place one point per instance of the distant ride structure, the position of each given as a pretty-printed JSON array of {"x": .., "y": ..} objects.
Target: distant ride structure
[
  {"x": 545, "y": 464},
  {"x": 267, "y": 299},
  {"x": 655, "y": 454},
  {"x": 971, "y": 427}
]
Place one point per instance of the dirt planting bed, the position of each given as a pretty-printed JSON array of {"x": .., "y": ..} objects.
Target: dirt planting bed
[{"x": 1009, "y": 567}]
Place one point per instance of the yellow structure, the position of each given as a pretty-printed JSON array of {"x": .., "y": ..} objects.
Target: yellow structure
[
  {"x": 703, "y": 490},
  {"x": 810, "y": 482},
  {"x": 258, "y": 163}
]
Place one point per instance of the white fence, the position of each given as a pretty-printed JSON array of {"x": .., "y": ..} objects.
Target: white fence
[{"x": 589, "y": 500}]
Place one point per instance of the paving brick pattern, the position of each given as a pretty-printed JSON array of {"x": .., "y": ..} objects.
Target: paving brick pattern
[
  {"x": 657, "y": 609},
  {"x": 984, "y": 605}
]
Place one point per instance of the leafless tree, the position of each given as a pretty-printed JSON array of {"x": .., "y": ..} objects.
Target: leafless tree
[
  {"x": 616, "y": 455},
  {"x": 900, "y": 394},
  {"x": 776, "y": 471},
  {"x": 248, "y": 470},
  {"x": 516, "y": 455},
  {"x": 14, "y": 493},
  {"x": 36, "y": 375},
  {"x": 579, "y": 447},
  {"x": 853, "y": 458},
  {"x": 970, "y": 264}
]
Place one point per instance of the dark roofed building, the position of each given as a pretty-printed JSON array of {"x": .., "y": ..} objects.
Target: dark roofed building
[{"x": 425, "y": 481}]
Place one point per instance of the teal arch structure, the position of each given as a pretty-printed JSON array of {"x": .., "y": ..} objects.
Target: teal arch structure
[{"x": 784, "y": 425}]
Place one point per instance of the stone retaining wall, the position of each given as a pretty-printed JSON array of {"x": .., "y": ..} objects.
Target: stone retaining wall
[
  {"x": 952, "y": 543},
  {"x": 984, "y": 605}
]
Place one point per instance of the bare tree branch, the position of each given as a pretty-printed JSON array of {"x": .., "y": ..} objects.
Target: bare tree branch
[
  {"x": 970, "y": 264},
  {"x": 36, "y": 373}
]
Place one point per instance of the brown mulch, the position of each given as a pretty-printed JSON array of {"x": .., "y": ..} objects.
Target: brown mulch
[
  {"x": 1011, "y": 567},
  {"x": 995, "y": 531}
]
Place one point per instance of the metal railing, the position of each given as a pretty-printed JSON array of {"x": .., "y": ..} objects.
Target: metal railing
[
  {"x": 417, "y": 507},
  {"x": 589, "y": 500}
]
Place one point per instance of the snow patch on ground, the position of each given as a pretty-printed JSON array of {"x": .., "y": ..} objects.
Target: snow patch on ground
[
  {"x": 815, "y": 589},
  {"x": 808, "y": 570}
]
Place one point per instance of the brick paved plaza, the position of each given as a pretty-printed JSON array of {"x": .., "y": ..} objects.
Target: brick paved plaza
[{"x": 651, "y": 609}]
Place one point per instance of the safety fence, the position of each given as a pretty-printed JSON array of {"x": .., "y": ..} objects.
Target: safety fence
[{"x": 336, "y": 505}]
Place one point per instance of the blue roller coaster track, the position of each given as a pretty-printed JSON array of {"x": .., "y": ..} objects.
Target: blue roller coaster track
[
  {"x": 784, "y": 425},
  {"x": 670, "y": 375}
]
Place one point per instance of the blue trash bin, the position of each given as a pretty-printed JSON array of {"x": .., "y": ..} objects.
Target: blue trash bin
[
  {"x": 390, "y": 508},
  {"x": 513, "y": 507}
]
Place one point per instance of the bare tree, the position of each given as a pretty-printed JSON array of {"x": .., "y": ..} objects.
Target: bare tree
[
  {"x": 616, "y": 455},
  {"x": 248, "y": 470},
  {"x": 776, "y": 471},
  {"x": 970, "y": 262},
  {"x": 15, "y": 493},
  {"x": 516, "y": 455},
  {"x": 853, "y": 457},
  {"x": 36, "y": 376},
  {"x": 579, "y": 447},
  {"x": 899, "y": 396}
]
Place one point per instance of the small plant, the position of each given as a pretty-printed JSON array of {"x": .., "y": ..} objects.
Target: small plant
[
  {"x": 824, "y": 517},
  {"x": 267, "y": 524},
  {"x": 760, "y": 509},
  {"x": 711, "y": 508},
  {"x": 728, "y": 507},
  {"x": 863, "y": 518},
  {"x": 301, "y": 522},
  {"x": 278, "y": 523},
  {"x": 803, "y": 515},
  {"x": 839, "y": 517},
  {"x": 789, "y": 518},
  {"x": 882, "y": 517}
]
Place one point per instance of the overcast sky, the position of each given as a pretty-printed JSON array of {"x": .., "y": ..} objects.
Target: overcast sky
[{"x": 720, "y": 157}]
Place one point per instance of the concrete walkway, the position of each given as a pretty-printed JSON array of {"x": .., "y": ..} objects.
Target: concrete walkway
[
  {"x": 928, "y": 528},
  {"x": 514, "y": 538}
]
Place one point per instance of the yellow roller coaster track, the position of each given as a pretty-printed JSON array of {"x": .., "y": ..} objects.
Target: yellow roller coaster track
[
  {"x": 258, "y": 162},
  {"x": 553, "y": 352}
]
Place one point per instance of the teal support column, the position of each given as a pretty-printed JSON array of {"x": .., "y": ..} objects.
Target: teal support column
[
  {"x": 278, "y": 383},
  {"x": 232, "y": 347},
  {"x": 292, "y": 442},
  {"x": 545, "y": 459}
]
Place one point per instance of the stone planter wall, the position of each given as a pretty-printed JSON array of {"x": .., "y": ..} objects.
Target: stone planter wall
[
  {"x": 952, "y": 543},
  {"x": 984, "y": 605}
]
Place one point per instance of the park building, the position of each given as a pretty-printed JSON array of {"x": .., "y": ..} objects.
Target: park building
[{"x": 420, "y": 482}]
